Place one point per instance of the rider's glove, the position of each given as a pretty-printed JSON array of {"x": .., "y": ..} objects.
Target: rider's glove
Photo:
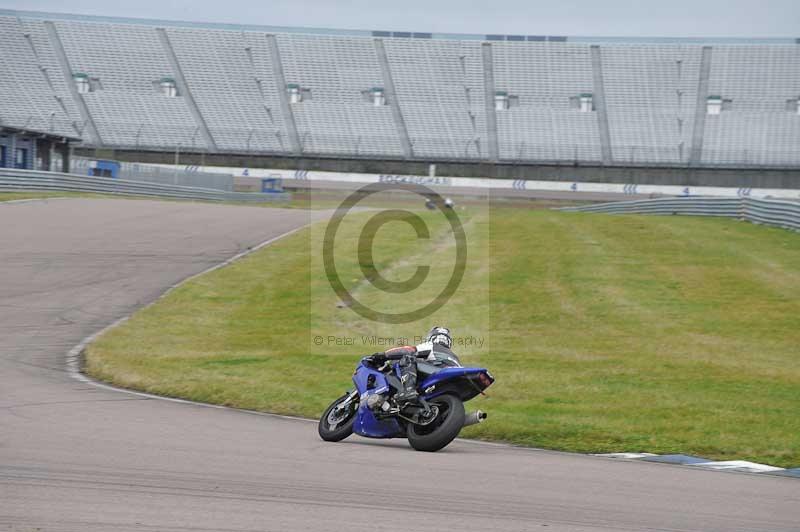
[{"x": 377, "y": 358}]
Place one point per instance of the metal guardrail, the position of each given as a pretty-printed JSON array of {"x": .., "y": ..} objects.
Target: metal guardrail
[
  {"x": 11, "y": 179},
  {"x": 777, "y": 213},
  {"x": 184, "y": 176}
]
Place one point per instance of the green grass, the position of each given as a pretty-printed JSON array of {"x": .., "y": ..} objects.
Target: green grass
[
  {"x": 36, "y": 194},
  {"x": 23, "y": 195},
  {"x": 605, "y": 333},
  {"x": 299, "y": 200}
]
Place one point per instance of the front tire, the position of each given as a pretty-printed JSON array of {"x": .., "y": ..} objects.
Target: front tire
[
  {"x": 442, "y": 430},
  {"x": 337, "y": 425}
]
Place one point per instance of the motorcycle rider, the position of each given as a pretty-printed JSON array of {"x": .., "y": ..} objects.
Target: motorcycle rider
[{"x": 407, "y": 356}]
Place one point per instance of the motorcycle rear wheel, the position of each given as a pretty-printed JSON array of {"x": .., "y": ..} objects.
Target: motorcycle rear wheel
[
  {"x": 336, "y": 426},
  {"x": 442, "y": 430}
]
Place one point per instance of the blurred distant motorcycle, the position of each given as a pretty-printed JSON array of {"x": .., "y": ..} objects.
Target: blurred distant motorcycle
[{"x": 448, "y": 203}]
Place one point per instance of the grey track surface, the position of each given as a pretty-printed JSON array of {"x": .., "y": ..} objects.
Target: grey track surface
[{"x": 74, "y": 457}]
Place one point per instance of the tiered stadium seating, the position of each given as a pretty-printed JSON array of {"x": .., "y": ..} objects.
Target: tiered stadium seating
[
  {"x": 651, "y": 92},
  {"x": 28, "y": 100},
  {"x": 337, "y": 117},
  {"x": 544, "y": 76},
  {"x": 757, "y": 129},
  {"x": 439, "y": 87},
  {"x": 224, "y": 78},
  {"x": 128, "y": 61},
  {"x": 649, "y": 87}
]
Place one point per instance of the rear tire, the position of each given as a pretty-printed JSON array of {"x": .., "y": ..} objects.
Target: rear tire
[
  {"x": 329, "y": 431},
  {"x": 443, "y": 429}
]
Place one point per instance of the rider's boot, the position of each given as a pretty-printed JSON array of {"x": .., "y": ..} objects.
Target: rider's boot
[{"x": 408, "y": 378}]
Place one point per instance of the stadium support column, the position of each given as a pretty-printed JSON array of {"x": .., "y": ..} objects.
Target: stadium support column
[
  {"x": 696, "y": 155},
  {"x": 11, "y": 151},
  {"x": 394, "y": 103},
  {"x": 489, "y": 92},
  {"x": 66, "y": 155},
  {"x": 599, "y": 100},
  {"x": 183, "y": 89},
  {"x": 63, "y": 61},
  {"x": 286, "y": 107},
  {"x": 44, "y": 149}
]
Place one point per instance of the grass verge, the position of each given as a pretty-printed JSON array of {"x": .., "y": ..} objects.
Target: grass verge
[
  {"x": 34, "y": 194},
  {"x": 605, "y": 333},
  {"x": 24, "y": 195}
]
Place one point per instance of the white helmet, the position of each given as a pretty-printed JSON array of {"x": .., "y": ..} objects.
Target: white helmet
[{"x": 440, "y": 336}]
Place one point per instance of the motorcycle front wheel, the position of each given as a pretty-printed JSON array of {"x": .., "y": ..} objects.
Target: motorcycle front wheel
[
  {"x": 443, "y": 429},
  {"x": 336, "y": 422}
]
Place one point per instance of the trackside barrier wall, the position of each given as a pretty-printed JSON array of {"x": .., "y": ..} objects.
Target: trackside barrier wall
[
  {"x": 784, "y": 214},
  {"x": 577, "y": 186},
  {"x": 54, "y": 181}
]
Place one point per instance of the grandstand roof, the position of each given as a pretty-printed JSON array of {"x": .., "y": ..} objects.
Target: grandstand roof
[
  {"x": 38, "y": 133},
  {"x": 400, "y": 34}
]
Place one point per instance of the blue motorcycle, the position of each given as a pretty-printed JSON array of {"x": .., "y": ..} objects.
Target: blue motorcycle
[{"x": 430, "y": 423}]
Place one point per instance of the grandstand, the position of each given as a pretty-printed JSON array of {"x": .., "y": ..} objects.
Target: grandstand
[{"x": 148, "y": 85}]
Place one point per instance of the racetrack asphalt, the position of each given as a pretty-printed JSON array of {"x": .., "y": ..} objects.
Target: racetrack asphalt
[{"x": 75, "y": 457}]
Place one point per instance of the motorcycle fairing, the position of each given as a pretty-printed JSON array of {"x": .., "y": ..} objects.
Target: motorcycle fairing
[
  {"x": 445, "y": 374},
  {"x": 449, "y": 374},
  {"x": 365, "y": 423}
]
